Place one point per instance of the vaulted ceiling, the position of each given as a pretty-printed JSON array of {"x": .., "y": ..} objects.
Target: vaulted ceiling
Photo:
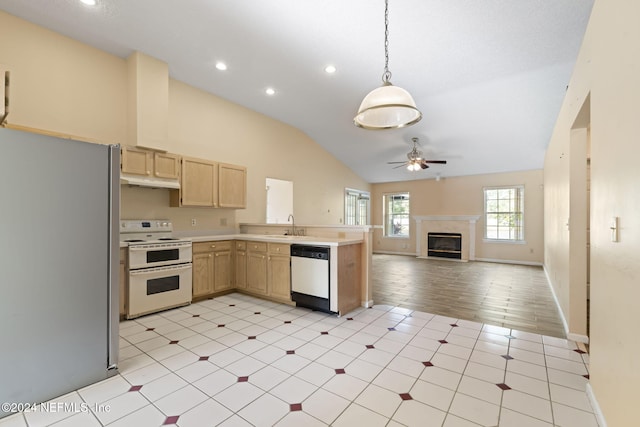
[{"x": 489, "y": 76}]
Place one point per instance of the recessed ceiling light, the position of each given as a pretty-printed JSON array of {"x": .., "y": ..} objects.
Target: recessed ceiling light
[
  {"x": 330, "y": 69},
  {"x": 221, "y": 66},
  {"x": 270, "y": 91},
  {"x": 89, "y": 2}
]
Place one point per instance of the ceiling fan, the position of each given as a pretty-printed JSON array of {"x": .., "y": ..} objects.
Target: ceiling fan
[{"x": 416, "y": 162}]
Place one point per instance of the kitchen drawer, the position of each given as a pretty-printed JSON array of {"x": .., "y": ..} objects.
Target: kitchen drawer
[
  {"x": 200, "y": 247},
  {"x": 257, "y": 246},
  {"x": 241, "y": 245},
  {"x": 279, "y": 248}
]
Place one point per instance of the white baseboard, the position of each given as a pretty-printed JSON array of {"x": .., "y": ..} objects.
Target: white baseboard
[
  {"x": 395, "y": 253},
  {"x": 596, "y": 407},
  {"x": 509, "y": 261},
  {"x": 571, "y": 336},
  {"x": 367, "y": 304}
]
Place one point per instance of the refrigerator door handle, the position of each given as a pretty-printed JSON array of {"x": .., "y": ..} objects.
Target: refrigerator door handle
[{"x": 114, "y": 264}]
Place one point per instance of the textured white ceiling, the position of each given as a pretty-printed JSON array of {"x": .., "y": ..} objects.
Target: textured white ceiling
[{"x": 488, "y": 75}]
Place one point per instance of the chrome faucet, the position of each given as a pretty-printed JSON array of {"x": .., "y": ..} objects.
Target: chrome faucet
[{"x": 293, "y": 221}]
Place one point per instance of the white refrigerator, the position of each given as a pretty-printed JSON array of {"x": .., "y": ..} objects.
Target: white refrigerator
[{"x": 59, "y": 265}]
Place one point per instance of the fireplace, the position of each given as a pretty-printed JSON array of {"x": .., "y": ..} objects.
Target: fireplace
[{"x": 444, "y": 245}]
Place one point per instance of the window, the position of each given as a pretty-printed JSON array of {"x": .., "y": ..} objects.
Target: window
[
  {"x": 396, "y": 215},
  {"x": 356, "y": 207},
  {"x": 504, "y": 213}
]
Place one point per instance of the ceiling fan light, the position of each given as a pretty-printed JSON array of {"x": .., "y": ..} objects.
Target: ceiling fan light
[{"x": 387, "y": 107}]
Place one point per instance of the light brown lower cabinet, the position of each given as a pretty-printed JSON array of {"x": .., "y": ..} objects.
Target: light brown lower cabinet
[
  {"x": 240, "y": 263},
  {"x": 257, "y": 267},
  {"x": 279, "y": 271},
  {"x": 212, "y": 268}
]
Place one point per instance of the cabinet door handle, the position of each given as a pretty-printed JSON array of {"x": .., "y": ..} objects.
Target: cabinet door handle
[{"x": 213, "y": 246}]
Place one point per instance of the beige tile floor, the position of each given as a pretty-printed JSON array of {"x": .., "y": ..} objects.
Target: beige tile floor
[{"x": 507, "y": 295}]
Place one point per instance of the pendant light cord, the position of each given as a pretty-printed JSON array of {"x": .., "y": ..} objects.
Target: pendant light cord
[{"x": 386, "y": 76}]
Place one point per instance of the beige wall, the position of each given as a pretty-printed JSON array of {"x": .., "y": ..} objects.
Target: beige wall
[
  {"x": 464, "y": 196},
  {"x": 607, "y": 70},
  {"x": 63, "y": 86}
]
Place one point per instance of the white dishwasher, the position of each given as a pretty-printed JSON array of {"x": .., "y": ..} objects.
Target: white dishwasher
[{"x": 310, "y": 277}]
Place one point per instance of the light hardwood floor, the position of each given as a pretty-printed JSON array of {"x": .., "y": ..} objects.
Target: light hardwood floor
[{"x": 512, "y": 296}]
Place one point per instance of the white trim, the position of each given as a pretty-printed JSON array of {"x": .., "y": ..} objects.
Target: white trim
[
  {"x": 578, "y": 338},
  {"x": 447, "y": 218},
  {"x": 367, "y": 304},
  {"x": 394, "y": 253},
  {"x": 595, "y": 406},
  {"x": 504, "y": 241},
  {"x": 510, "y": 261},
  {"x": 570, "y": 336},
  {"x": 442, "y": 258}
]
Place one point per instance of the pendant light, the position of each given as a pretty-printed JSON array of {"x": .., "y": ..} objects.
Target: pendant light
[{"x": 389, "y": 106}]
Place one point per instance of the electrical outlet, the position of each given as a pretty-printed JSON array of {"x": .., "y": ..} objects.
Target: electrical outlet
[{"x": 193, "y": 222}]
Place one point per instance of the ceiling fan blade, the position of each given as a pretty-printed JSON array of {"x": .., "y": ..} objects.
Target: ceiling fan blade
[
  {"x": 423, "y": 165},
  {"x": 391, "y": 163},
  {"x": 399, "y": 166},
  {"x": 440, "y": 162}
]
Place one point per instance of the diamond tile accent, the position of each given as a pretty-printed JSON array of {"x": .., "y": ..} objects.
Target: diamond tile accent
[
  {"x": 252, "y": 337},
  {"x": 295, "y": 407},
  {"x": 256, "y": 312},
  {"x": 506, "y": 356},
  {"x": 151, "y": 329},
  {"x": 370, "y": 346},
  {"x": 427, "y": 364},
  {"x": 291, "y": 352},
  {"x": 221, "y": 326},
  {"x": 405, "y": 396},
  {"x": 135, "y": 388},
  {"x": 174, "y": 342},
  {"x": 232, "y": 305},
  {"x": 340, "y": 371},
  {"x": 453, "y": 325},
  {"x": 287, "y": 321},
  {"x": 579, "y": 351},
  {"x": 349, "y": 318},
  {"x": 503, "y": 386},
  {"x": 443, "y": 341},
  {"x": 243, "y": 379},
  {"x": 324, "y": 333},
  {"x": 203, "y": 358},
  {"x": 196, "y": 315},
  {"x": 171, "y": 420},
  {"x": 391, "y": 329},
  {"x": 586, "y": 376}
]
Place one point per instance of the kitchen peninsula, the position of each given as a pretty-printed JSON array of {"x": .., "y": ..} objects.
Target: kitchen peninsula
[{"x": 259, "y": 264}]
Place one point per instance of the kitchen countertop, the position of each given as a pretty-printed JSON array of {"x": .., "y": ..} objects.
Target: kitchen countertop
[
  {"x": 270, "y": 238},
  {"x": 279, "y": 238}
]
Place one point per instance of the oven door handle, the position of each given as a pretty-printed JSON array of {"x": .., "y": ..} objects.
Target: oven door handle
[
  {"x": 159, "y": 246},
  {"x": 143, "y": 271}
]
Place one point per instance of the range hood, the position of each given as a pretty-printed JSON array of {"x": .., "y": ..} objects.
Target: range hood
[{"x": 142, "y": 181}]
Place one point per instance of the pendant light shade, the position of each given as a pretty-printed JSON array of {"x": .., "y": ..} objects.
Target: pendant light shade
[{"x": 389, "y": 106}]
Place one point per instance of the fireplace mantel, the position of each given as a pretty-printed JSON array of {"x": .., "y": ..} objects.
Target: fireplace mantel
[{"x": 464, "y": 224}]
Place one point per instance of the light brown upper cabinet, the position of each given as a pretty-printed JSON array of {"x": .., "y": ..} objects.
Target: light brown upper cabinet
[
  {"x": 166, "y": 165},
  {"x": 199, "y": 184},
  {"x": 232, "y": 186},
  {"x": 137, "y": 161},
  {"x": 209, "y": 184}
]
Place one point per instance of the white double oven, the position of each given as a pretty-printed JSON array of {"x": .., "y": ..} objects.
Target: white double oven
[{"x": 159, "y": 267}]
